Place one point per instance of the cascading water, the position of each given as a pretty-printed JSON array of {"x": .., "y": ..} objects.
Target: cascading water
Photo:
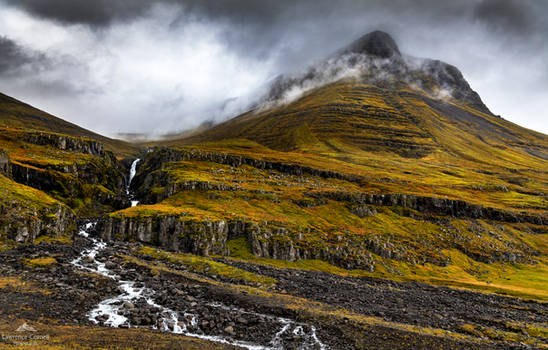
[
  {"x": 132, "y": 172},
  {"x": 110, "y": 311}
]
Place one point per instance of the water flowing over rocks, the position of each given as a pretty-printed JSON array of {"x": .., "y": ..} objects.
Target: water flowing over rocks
[
  {"x": 138, "y": 305},
  {"x": 132, "y": 171}
]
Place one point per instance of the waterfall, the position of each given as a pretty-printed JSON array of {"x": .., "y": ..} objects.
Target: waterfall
[{"x": 132, "y": 172}]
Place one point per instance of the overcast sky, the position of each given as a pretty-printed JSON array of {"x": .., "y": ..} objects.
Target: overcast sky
[{"x": 123, "y": 66}]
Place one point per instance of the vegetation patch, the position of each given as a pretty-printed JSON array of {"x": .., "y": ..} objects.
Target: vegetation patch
[
  {"x": 205, "y": 265},
  {"x": 40, "y": 262}
]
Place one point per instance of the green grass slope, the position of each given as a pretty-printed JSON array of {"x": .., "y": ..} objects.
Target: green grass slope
[
  {"x": 15, "y": 114},
  {"x": 372, "y": 118}
]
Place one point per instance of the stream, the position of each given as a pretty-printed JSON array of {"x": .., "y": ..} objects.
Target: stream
[{"x": 113, "y": 311}]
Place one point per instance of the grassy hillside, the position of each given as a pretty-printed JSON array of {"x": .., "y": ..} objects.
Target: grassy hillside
[
  {"x": 15, "y": 114},
  {"x": 371, "y": 118}
]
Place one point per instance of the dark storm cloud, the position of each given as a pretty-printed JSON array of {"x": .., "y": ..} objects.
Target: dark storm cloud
[
  {"x": 13, "y": 57},
  {"x": 16, "y": 61},
  {"x": 120, "y": 45},
  {"x": 506, "y": 15},
  {"x": 104, "y": 12},
  {"x": 94, "y": 13},
  {"x": 510, "y": 14},
  {"x": 258, "y": 26},
  {"x": 99, "y": 13}
]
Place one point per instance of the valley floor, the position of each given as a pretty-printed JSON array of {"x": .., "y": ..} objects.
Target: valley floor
[{"x": 55, "y": 297}]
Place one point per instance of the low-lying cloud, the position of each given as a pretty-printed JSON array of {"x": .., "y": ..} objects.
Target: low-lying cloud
[{"x": 394, "y": 72}]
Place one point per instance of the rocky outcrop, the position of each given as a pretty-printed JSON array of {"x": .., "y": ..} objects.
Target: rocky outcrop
[
  {"x": 433, "y": 205},
  {"x": 362, "y": 211},
  {"x": 105, "y": 170},
  {"x": 179, "y": 233},
  {"x": 94, "y": 174},
  {"x": 376, "y": 43},
  {"x": 158, "y": 160},
  {"x": 24, "y": 225},
  {"x": 41, "y": 179},
  {"x": 171, "y": 188},
  {"x": 283, "y": 244},
  {"x": 5, "y": 164},
  {"x": 65, "y": 143},
  {"x": 101, "y": 177},
  {"x": 168, "y": 231},
  {"x": 77, "y": 185}
]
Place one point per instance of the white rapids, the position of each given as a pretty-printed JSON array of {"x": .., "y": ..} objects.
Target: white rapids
[{"x": 110, "y": 311}]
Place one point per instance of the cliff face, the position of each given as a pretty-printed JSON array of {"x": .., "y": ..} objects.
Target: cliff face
[
  {"x": 312, "y": 213},
  {"x": 5, "y": 164},
  {"x": 269, "y": 240},
  {"x": 178, "y": 233},
  {"x": 24, "y": 226},
  {"x": 99, "y": 181},
  {"x": 168, "y": 231},
  {"x": 74, "y": 170},
  {"x": 432, "y": 205},
  {"x": 65, "y": 143},
  {"x": 26, "y": 213}
]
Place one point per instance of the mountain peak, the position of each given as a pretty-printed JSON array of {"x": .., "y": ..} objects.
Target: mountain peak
[{"x": 377, "y": 43}]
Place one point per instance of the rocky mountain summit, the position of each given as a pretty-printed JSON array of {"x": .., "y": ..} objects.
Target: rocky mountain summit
[
  {"x": 376, "y": 43},
  {"x": 375, "y": 58}
]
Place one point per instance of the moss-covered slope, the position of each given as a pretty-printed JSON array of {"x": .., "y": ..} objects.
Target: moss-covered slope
[{"x": 15, "y": 114}]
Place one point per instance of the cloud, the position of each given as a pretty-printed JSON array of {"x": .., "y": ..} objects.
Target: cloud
[
  {"x": 168, "y": 65},
  {"x": 93, "y": 13},
  {"x": 506, "y": 15},
  {"x": 15, "y": 58},
  {"x": 141, "y": 76}
]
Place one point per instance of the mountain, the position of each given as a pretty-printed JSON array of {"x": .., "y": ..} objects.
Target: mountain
[
  {"x": 380, "y": 102},
  {"x": 370, "y": 151},
  {"x": 371, "y": 202}
]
